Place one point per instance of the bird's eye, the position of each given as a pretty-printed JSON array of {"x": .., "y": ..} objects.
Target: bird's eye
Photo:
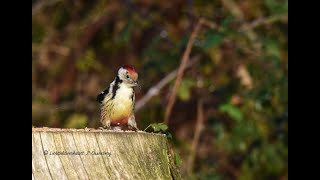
[{"x": 128, "y": 76}]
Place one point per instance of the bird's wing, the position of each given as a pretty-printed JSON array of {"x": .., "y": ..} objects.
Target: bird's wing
[{"x": 102, "y": 95}]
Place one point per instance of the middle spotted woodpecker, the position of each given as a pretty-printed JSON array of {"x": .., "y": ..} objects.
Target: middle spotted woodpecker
[{"x": 117, "y": 101}]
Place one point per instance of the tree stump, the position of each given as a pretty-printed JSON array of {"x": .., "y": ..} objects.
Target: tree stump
[{"x": 96, "y": 154}]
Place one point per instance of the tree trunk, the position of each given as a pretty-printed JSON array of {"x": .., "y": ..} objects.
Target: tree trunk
[{"x": 96, "y": 154}]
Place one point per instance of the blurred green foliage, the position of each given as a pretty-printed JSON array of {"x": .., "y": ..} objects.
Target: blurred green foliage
[
  {"x": 242, "y": 75},
  {"x": 185, "y": 88}
]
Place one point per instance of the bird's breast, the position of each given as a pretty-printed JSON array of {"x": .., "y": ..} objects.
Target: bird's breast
[{"x": 122, "y": 103}]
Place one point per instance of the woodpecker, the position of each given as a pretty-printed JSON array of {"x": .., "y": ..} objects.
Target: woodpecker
[{"x": 118, "y": 100}]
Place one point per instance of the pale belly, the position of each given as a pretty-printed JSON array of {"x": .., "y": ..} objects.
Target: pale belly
[{"x": 122, "y": 108}]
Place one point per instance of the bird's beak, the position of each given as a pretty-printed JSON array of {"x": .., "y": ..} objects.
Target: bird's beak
[{"x": 135, "y": 83}]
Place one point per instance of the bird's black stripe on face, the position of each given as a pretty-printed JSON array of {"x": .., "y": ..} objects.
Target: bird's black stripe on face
[{"x": 116, "y": 86}]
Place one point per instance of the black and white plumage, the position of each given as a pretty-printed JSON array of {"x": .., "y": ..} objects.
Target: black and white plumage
[{"x": 117, "y": 101}]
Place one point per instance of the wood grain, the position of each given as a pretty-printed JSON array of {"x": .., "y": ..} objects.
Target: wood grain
[{"x": 95, "y": 154}]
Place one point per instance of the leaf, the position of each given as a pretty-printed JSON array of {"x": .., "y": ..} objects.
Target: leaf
[
  {"x": 163, "y": 126},
  {"x": 38, "y": 32},
  {"x": 159, "y": 127},
  {"x": 155, "y": 127},
  {"x": 126, "y": 32},
  {"x": 233, "y": 111},
  {"x": 219, "y": 132},
  {"x": 227, "y": 22},
  {"x": 169, "y": 135},
  {"x": 178, "y": 159},
  {"x": 272, "y": 48},
  {"x": 277, "y": 6},
  {"x": 212, "y": 39},
  {"x": 184, "y": 92}
]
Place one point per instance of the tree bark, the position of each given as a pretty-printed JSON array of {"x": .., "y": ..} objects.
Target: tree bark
[{"x": 96, "y": 154}]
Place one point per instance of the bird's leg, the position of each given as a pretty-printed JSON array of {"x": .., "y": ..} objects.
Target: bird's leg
[
  {"x": 105, "y": 124},
  {"x": 132, "y": 123}
]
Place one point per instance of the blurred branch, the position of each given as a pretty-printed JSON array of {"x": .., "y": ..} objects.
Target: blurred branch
[
  {"x": 42, "y": 4},
  {"x": 238, "y": 14},
  {"x": 263, "y": 21},
  {"x": 185, "y": 57},
  {"x": 181, "y": 69},
  {"x": 209, "y": 23},
  {"x": 59, "y": 49},
  {"x": 153, "y": 91},
  {"x": 233, "y": 8},
  {"x": 248, "y": 28},
  {"x": 196, "y": 137}
]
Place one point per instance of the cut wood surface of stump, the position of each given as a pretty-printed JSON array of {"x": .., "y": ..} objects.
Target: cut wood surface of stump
[{"x": 96, "y": 154}]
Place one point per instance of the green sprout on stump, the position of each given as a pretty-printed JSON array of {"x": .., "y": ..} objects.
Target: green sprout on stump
[{"x": 160, "y": 128}]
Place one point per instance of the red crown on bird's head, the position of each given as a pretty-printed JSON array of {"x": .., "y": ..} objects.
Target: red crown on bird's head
[{"x": 130, "y": 69}]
